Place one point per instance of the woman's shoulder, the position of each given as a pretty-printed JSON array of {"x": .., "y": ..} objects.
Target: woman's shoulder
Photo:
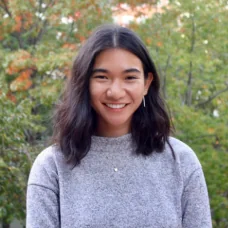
[
  {"x": 177, "y": 143},
  {"x": 183, "y": 154},
  {"x": 45, "y": 165},
  {"x": 49, "y": 156}
]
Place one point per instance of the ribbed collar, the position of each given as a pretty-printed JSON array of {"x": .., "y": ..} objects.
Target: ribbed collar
[{"x": 110, "y": 144}]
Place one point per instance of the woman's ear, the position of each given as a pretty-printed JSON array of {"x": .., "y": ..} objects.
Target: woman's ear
[{"x": 148, "y": 82}]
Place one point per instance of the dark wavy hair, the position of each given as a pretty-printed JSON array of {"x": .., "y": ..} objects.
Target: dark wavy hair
[{"x": 75, "y": 119}]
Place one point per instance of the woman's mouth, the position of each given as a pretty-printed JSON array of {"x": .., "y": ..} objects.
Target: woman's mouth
[{"x": 116, "y": 106}]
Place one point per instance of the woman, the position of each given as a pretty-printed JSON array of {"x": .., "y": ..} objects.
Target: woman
[{"x": 113, "y": 163}]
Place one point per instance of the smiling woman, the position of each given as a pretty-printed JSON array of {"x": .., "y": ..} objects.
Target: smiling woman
[
  {"x": 113, "y": 162},
  {"x": 117, "y": 88}
]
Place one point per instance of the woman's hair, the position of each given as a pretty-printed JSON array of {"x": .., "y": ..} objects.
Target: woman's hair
[{"x": 75, "y": 120}]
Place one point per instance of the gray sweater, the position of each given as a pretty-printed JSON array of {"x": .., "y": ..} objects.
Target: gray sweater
[{"x": 112, "y": 187}]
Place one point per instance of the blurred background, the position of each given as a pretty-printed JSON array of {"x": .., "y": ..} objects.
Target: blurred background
[{"x": 187, "y": 39}]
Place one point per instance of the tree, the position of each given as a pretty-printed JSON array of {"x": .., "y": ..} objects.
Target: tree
[
  {"x": 15, "y": 158},
  {"x": 188, "y": 42},
  {"x": 38, "y": 41},
  {"x": 39, "y": 38}
]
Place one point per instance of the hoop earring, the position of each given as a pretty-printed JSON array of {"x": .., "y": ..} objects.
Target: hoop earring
[{"x": 144, "y": 103}]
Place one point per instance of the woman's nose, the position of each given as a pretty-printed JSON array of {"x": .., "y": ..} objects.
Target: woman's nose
[{"x": 115, "y": 91}]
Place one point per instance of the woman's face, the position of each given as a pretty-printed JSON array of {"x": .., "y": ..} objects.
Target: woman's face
[{"x": 117, "y": 87}]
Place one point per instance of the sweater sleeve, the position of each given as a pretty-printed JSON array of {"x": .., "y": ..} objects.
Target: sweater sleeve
[
  {"x": 42, "y": 205},
  {"x": 195, "y": 202}
]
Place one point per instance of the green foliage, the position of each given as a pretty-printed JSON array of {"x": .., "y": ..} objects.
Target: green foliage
[
  {"x": 16, "y": 122},
  {"x": 188, "y": 43},
  {"x": 38, "y": 41}
]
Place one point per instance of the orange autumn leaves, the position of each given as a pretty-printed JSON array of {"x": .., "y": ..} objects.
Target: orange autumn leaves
[
  {"x": 22, "y": 82},
  {"x": 22, "y": 21},
  {"x": 21, "y": 65},
  {"x": 149, "y": 41},
  {"x": 16, "y": 23}
]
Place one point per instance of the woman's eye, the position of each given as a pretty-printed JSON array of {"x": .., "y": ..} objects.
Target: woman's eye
[
  {"x": 100, "y": 77},
  {"x": 131, "y": 77}
]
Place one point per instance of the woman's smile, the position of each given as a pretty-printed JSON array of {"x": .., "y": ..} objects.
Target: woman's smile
[{"x": 116, "y": 106}]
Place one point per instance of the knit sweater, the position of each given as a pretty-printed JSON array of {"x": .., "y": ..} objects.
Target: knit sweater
[{"x": 113, "y": 187}]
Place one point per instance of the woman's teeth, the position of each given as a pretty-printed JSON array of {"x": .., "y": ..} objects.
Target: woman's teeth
[{"x": 116, "y": 105}]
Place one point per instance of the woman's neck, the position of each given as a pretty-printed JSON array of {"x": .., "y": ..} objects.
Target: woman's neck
[{"x": 112, "y": 131}]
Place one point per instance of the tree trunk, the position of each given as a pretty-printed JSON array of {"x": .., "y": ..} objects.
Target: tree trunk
[
  {"x": 5, "y": 225},
  {"x": 188, "y": 93},
  {"x": 163, "y": 86}
]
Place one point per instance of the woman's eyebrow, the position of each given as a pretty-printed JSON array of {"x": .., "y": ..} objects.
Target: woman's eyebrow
[
  {"x": 130, "y": 70},
  {"x": 99, "y": 70},
  {"x": 102, "y": 70}
]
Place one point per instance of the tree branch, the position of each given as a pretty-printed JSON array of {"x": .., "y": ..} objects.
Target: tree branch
[
  {"x": 70, "y": 32},
  {"x": 203, "y": 103},
  {"x": 18, "y": 37},
  {"x": 15, "y": 34},
  {"x": 164, "y": 77},
  {"x": 5, "y": 7},
  {"x": 41, "y": 32},
  {"x": 188, "y": 94}
]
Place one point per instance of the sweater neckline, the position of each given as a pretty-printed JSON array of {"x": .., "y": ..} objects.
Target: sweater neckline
[{"x": 108, "y": 144}]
